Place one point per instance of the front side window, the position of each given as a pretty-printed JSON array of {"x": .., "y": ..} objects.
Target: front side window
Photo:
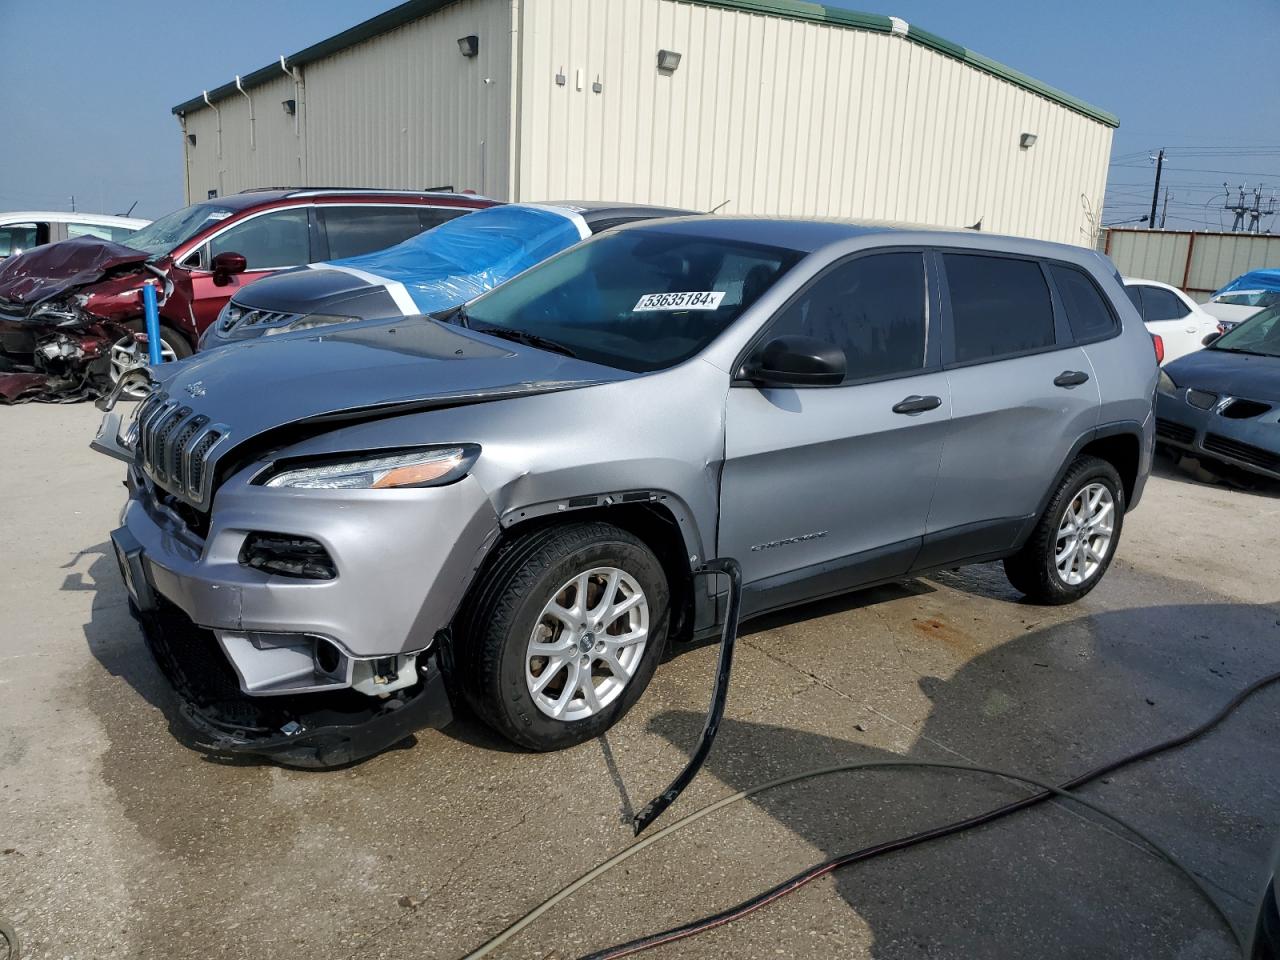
[
  {"x": 999, "y": 307},
  {"x": 640, "y": 300},
  {"x": 871, "y": 307},
  {"x": 269, "y": 241},
  {"x": 17, "y": 237},
  {"x": 1160, "y": 304},
  {"x": 171, "y": 230},
  {"x": 1087, "y": 312},
  {"x": 363, "y": 228}
]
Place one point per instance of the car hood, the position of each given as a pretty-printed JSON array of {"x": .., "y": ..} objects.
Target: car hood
[
  {"x": 43, "y": 272},
  {"x": 302, "y": 290},
  {"x": 1231, "y": 374},
  {"x": 363, "y": 372}
]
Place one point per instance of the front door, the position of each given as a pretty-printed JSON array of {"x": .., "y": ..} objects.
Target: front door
[
  {"x": 268, "y": 241},
  {"x": 825, "y": 488}
]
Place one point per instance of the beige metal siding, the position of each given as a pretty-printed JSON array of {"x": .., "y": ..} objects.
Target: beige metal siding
[
  {"x": 271, "y": 160},
  {"x": 401, "y": 110},
  {"x": 1199, "y": 263},
  {"x": 779, "y": 116}
]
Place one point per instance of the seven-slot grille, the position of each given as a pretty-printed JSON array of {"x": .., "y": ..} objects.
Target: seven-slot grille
[
  {"x": 175, "y": 444},
  {"x": 259, "y": 318}
]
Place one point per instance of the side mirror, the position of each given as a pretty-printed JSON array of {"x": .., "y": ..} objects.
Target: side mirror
[
  {"x": 1209, "y": 338},
  {"x": 797, "y": 362},
  {"x": 226, "y": 265}
]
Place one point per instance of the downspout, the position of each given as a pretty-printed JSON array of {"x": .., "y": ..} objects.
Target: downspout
[
  {"x": 514, "y": 106},
  {"x": 186, "y": 158},
  {"x": 299, "y": 104},
  {"x": 253, "y": 145},
  {"x": 218, "y": 115}
]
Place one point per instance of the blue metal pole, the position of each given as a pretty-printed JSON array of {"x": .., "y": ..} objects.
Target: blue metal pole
[{"x": 152, "y": 313}]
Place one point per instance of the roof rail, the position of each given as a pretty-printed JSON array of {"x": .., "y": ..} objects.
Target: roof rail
[{"x": 296, "y": 191}]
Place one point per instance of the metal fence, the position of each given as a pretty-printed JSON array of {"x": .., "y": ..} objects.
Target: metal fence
[{"x": 1197, "y": 262}]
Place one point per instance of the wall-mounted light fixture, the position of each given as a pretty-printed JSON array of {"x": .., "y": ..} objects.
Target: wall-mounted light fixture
[
  {"x": 561, "y": 79},
  {"x": 290, "y": 106},
  {"x": 469, "y": 46},
  {"x": 597, "y": 87},
  {"x": 1027, "y": 140},
  {"x": 191, "y": 139},
  {"x": 668, "y": 61}
]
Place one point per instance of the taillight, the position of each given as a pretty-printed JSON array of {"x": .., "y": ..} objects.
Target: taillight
[{"x": 1158, "y": 342}]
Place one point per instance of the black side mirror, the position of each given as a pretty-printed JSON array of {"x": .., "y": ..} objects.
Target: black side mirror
[
  {"x": 797, "y": 362},
  {"x": 1209, "y": 338},
  {"x": 226, "y": 265}
]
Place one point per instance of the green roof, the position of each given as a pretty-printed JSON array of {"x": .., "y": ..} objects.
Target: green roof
[{"x": 790, "y": 9}]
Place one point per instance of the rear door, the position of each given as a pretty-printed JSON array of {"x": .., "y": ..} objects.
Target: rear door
[
  {"x": 1022, "y": 393},
  {"x": 825, "y": 488}
]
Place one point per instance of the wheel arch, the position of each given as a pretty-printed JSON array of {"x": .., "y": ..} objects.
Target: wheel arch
[{"x": 1118, "y": 443}]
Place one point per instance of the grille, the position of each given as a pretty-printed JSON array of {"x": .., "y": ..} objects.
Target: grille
[
  {"x": 259, "y": 318},
  {"x": 1244, "y": 452},
  {"x": 1177, "y": 432},
  {"x": 175, "y": 445},
  {"x": 1244, "y": 409}
]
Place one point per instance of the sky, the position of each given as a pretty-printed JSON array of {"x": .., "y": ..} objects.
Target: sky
[{"x": 88, "y": 87}]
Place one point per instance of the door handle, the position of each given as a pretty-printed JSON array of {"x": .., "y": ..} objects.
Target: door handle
[
  {"x": 917, "y": 404},
  {"x": 1070, "y": 378},
  {"x": 1190, "y": 329}
]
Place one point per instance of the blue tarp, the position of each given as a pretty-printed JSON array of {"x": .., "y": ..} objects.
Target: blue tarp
[
  {"x": 1254, "y": 280},
  {"x": 463, "y": 258}
]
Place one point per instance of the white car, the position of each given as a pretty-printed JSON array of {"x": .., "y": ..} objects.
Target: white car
[
  {"x": 1233, "y": 307},
  {"x": 1179, "y": 322},
  {"x": 34, "y": 228}
]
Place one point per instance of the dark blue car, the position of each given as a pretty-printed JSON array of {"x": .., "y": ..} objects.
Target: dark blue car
[{"x": 1223, "y": 402}]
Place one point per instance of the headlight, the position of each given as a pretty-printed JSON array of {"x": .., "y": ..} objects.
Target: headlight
[
  {"x": 229, "y": 316},
  {"x": 56, "y": 310},
  {"x": 1165, "y": 384},
  {"x": 309, "y": 323},
  {"x": 414, "y": 468}
]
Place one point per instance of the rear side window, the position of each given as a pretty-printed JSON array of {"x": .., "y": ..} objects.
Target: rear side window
[
  {"x": 356, "y": 230},
  {"x": 17, "y": 237},
  {"x": 1135, "y": 294},
  {"x": 873, "y": 308},
  {"x": 1087, "y": 312},
  {"x": 999, "y": 306},
  {"x": 1161, "y": 304}
]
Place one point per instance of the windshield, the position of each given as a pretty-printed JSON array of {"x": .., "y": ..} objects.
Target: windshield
[
  {"x": 639, "y": 300},
  {"x": 1249, "y": 298},
  {"x": 1259, "y": 334},
  {"x": 169, "y": 231}
]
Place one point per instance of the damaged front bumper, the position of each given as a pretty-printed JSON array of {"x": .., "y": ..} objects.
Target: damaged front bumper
[
  {"x": 47, "y": 362},
  {"x": 320, "y": 728}
]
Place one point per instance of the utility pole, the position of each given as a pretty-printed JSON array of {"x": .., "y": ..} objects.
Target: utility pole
[
  {"x": 1164, "y": 210},
  {"x": 73, "y": 203},
  {"x": 1155, "y": 194}
]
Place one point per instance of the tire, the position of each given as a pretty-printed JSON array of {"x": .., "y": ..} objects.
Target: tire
[
  {"x": 492, "y": 662},
  {"x": 1034, "y": 570},
  {"x": 176, "y": 347}
]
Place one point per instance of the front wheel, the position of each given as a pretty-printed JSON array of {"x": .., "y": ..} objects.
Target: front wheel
[
  {"x": 1075, "y": 540},
  {"x": 128, "y": 353},
  {"x": 563, "y": 634}
]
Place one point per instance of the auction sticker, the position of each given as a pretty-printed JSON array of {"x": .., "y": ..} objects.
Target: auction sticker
[{"x": 689, "y": 300}]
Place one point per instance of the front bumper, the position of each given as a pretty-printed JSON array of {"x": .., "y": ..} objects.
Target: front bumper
[
  {"x": 1250, "y": 444},
  {"x": 310, "y": 730}
]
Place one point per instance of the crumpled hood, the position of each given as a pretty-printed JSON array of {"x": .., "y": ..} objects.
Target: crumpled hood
[
  {"x": 43, "y": 272},
  {"x": 387, "y": 366},
  {"x": 1230, "y": 374}
]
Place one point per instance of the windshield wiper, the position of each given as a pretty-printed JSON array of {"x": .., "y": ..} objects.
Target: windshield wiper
[
  {"x": 532, "y": 339},
  {"x": 1252, "y": 353}
]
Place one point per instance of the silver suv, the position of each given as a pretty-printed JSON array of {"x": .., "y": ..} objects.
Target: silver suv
[{"x": 330, "y": 537}]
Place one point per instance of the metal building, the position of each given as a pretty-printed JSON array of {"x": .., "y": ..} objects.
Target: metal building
[{"x": 764, "y": 106}]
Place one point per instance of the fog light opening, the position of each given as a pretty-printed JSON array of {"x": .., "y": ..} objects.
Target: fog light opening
[{"x": 329, "y": 659}]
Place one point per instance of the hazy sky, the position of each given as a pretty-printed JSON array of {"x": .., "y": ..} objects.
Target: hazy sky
[{"x": 88, "y": 86}]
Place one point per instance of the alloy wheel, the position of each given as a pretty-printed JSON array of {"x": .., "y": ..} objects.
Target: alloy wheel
[
  {"x": 128, "y": 354},
  {"x": 587, "y": 643},
  {"x": 1084, "y": 535}
]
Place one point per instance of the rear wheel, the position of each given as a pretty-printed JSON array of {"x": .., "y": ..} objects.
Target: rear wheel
[
  {"x": 128, "y": 353},
  {"x": 1075, "y": 540},
  {"x": 563, "y": 634}
]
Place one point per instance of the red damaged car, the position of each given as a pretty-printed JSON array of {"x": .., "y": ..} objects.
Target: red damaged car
[{"x": 71, "y": 312}]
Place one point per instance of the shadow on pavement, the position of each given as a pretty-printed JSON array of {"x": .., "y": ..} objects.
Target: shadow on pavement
[
  {"x": 1186, "y": 468},
  {"x": 1050, "y": 882}
]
